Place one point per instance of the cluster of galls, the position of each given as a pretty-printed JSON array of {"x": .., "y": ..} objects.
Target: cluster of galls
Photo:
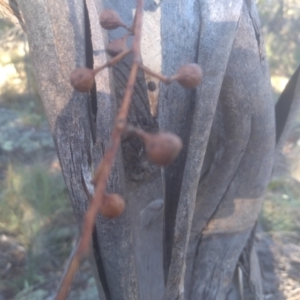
[
  {"x": 189, "y": 76},
  {"x": 82, "y": 79},
  {"x": 162, "y": 148}
]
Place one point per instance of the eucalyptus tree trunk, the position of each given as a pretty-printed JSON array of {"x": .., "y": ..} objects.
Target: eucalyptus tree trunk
[{"x": 185, "y": 227}]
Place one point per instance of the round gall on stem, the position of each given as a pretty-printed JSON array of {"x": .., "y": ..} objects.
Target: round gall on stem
[
  {"x": 189, "y": 75},
  {"x": 112, "y": 206},
  {"x": 162, "y": 148},
  {"x": 82, "y": 79},
  {"x": 109, "y": 19}
]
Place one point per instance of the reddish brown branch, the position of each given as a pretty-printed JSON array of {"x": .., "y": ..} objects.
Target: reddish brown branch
[
  {"x": 104, "y": 169},
  {"x": 164, "y": 79},
  {"x": 112, "y": 62},
  {"x": 161, "y": 148}
]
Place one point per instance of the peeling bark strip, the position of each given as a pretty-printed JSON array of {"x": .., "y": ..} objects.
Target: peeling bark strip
[
  {"x": 219, "y": 21},
  {"x": 183, "y": 231}
]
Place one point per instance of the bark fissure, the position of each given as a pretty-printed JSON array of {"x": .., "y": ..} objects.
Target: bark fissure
[
  {"x": 256, "y": 26},
  {"x": 92, "y": 101},
  {"x": 100, "y": 265}
]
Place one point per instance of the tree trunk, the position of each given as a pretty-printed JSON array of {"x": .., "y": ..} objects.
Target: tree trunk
[{"x": 184, "y": 227}]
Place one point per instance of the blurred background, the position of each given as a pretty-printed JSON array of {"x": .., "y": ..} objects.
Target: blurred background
[{"x": 37, "y": 228}]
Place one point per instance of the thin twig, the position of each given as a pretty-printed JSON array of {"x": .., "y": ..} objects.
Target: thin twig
[
  {"x": 164, "y": 79},
  {"x": 127, "y": 28},
  {"x": 104, "y": 169},
  {"x": 112, "y": 62}
]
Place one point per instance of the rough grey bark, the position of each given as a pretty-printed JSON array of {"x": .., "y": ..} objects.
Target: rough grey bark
[
  {"x": 242, "y": 144},
  {"x": 184, "y": 228}
]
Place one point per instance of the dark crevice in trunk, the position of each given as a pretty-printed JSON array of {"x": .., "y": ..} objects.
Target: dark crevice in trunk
[
  {"x": 92, "y": 111},
  {"x": 172, "y": 195},
  {"x": 253, "y": 15},
  {"x": 92, "y": 103},
  {"x": 99, "y": 264}
]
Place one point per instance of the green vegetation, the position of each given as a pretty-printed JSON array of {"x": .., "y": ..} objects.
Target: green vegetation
[
  {"x": 18, "y": 89},
  {"x": 280, "y": 20},
  {"x": 30, "y": 195},
  {"x": 281, "y": 208},
  {"x": 36, "y": 213}
]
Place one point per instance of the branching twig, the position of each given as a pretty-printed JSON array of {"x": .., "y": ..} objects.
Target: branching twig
[
  {"x": 161, "y": 77},
  {"x": 106, "y": 164},
  {"x": 161, "y": 148},
  {"x": 112, "y": 62}
]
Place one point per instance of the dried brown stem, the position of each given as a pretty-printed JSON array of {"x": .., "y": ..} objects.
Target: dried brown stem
[
  {"x": 68, "y": 275},
  {"x": 104, "y": 169},
  {"x": 164, "y": 79},
  {"x": 127, "y": 28},
  {"x": 112, "y": 61}
]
